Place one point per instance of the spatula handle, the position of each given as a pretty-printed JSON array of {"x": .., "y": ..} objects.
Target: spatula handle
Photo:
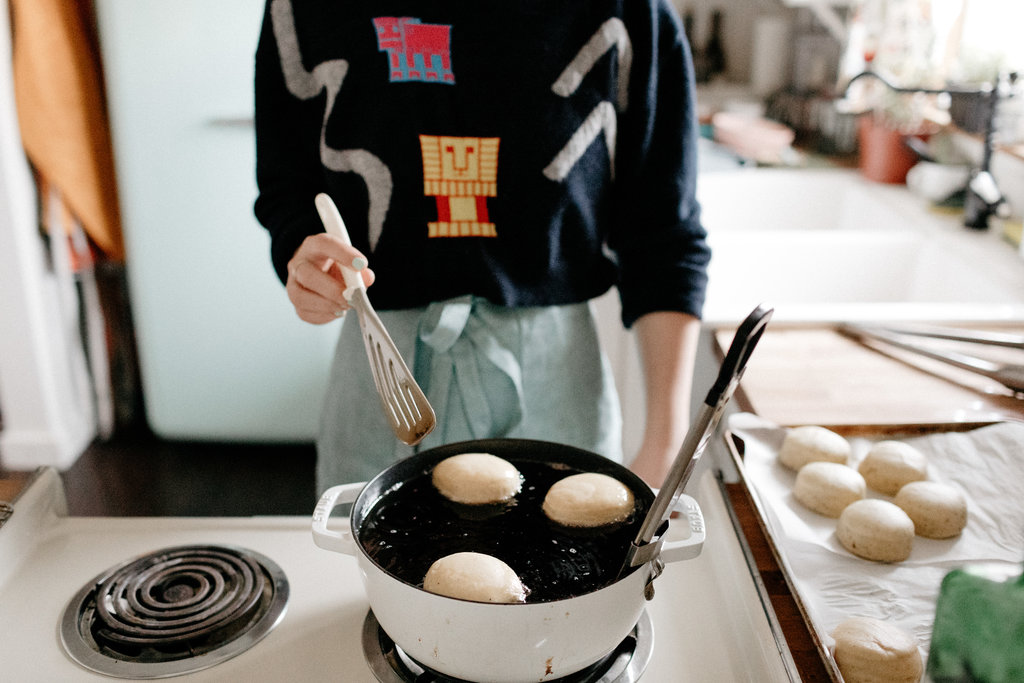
[{"x": 332, "y": 221}]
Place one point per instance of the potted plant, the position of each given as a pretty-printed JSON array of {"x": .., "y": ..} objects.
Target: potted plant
[{"x": 883, "y": 131}]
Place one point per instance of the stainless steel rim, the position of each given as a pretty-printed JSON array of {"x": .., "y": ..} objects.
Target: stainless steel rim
[{"x": 625, "y": 665}]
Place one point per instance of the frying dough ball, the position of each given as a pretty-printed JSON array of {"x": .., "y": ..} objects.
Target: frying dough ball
[
  {"x": 891, "y": 464},
  {"x": 811, "y": 443},
  {"x": 589, "y": 499},
  {"x": 477, "y": 478},
  {"x": 474, "y": 576},
  {"x": 874, "y": 651},
  {"x": 876, "y": 530},
  {"x": 828, "y": 487},
  {"x": 937, "y": 510}
]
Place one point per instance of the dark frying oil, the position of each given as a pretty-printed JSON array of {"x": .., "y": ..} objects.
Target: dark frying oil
[{"x": 413, "y": 525}]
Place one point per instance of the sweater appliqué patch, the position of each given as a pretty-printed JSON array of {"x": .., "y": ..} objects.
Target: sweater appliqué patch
[
  {"x": 460, "y": 173},
  {"x": 416, "y": 51},
  {"x": 612, "y": 35}
]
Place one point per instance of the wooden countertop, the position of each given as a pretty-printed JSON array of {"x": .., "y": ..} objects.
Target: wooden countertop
[{"x": 815, "y": 375}]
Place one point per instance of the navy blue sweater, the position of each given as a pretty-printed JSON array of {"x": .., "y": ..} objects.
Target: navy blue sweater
[{"x": 531, "y": 152}]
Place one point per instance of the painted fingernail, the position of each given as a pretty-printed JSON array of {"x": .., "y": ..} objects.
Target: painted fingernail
[
  {"x": 339, "y": 313},
  {"x": 358, "y": 263}
]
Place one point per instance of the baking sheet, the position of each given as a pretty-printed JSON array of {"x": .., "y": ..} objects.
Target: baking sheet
[{"x": 986, "y": 464}]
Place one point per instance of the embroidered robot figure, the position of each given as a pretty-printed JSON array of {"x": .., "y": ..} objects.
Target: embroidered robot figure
[
  {"x": 416, "y": 51},
  {"x": 460, "y": 173}
]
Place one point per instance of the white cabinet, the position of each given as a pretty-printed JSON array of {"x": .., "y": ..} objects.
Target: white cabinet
[{"x": 222, "y": 354}]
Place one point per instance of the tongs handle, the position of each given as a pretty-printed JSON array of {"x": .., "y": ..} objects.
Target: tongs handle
[
  {"x": 743, "y": 343},
  {"x": 742, "y": 346}
]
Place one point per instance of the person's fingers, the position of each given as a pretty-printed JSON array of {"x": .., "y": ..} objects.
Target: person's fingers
[
  {"x": 315, "y": 285},
  {"x": 313, "y": 308},
  {"x": 320, "y": 248},
  {"x": 305, "y": 288},
  {"x": 369, "y": 277},
  {"x": 320, "y": 279}
]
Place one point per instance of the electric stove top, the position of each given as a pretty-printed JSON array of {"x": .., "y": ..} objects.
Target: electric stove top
[{"x": 706, "y": 621}]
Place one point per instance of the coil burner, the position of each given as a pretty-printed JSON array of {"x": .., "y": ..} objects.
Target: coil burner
[
  {"x": 174, "y": 611},
  {"x": 625, "y": 664}
]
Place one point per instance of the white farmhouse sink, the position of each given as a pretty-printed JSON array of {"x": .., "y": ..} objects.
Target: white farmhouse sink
[{"x": 827, "y": 245}]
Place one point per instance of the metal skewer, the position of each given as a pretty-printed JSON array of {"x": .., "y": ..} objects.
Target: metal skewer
[{"x": 1010, "y": 375}]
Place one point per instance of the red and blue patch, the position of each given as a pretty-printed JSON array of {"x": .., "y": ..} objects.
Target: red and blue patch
[{"x": 416, "y": 51}]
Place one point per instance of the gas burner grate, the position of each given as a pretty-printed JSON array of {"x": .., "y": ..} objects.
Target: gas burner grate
[
  {"x": 174, "y": 611},
  {"x": 625, "y": 664}
]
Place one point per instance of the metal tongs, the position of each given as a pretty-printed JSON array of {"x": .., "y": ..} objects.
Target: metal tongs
[
  {"x": 1010, "y": 375},
  {"x": 647, "y": 544}
]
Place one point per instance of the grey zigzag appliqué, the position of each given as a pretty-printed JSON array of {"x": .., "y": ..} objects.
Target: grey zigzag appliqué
[
  {"x": 328, "y": 77},
  {"x": 611, "y": 34}
]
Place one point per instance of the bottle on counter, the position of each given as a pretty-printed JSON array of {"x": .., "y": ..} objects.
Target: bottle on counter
[
  {"x": 714, "y": 51},
  {"x": 688, "y": 29},
  {"x": 697, "y": 52},
  {"x": 708, "y": 58}
]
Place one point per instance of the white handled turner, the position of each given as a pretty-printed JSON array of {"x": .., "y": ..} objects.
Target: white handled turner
[{"x": 406, "y": 407}]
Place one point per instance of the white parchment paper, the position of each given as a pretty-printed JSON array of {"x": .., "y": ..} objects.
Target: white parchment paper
[{"x": 986, "y": 464}]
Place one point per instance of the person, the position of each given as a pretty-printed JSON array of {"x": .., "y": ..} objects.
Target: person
[{"x": 498, "y": 166}]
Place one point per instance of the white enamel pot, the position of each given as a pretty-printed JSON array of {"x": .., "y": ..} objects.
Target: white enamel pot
[{"x": 503, "y": 643}]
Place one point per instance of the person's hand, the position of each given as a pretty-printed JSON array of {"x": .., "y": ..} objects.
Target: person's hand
[{"x": 315, "y": 284}]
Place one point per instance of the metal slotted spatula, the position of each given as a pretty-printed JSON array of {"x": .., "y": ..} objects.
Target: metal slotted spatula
[{"x": 406, "y": 407}]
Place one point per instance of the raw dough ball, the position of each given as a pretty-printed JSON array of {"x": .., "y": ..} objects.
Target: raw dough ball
[
  {"x": 938, "y": 510},
  {"x": 474, "y": 576},
  {"x": 891, "y": 464},
  {"x": 828, "y": 487},
  {"x": 811, "y": 443},
  {"x": 477, "y": 478},
  {"x": 873, "y": 651},
  {"x": 589, "y": 499},
  {"x": 876, "y": 530}
]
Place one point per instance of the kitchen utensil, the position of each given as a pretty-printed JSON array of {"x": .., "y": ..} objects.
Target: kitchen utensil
[
  {"x": 406, "y": 407},
  {"x": 507, "y": 643},
  {"x": 1010, "y": 375},
  {"x": 645, "y": 548},
  {"x": 1012, "y": 341}
]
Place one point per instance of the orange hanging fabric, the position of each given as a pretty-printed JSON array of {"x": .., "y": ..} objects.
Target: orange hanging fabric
[{"x": 58, "y": 88}]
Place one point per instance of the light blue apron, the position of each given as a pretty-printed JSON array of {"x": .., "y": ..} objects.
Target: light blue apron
[{"x": 488, "y": 371}]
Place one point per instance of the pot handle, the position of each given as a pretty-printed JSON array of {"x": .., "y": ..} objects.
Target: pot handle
[
  {"x": 338, "y": 541},
  {"x": 691, "y": 546}
]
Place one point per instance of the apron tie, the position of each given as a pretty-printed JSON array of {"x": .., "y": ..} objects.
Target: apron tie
[{"x": 469, "y": 371}]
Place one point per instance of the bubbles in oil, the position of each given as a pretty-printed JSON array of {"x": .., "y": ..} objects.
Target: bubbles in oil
[{"x": 411, "y": 526}]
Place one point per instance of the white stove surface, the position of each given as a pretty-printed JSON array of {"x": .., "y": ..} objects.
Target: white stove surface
[{"x": 709, "y": 623}]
